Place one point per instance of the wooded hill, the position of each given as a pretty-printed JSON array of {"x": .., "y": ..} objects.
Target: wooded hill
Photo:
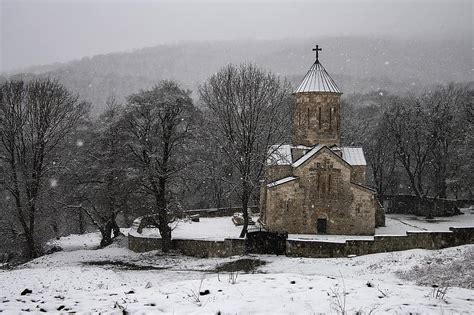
[{"x": 357, "y": 64}]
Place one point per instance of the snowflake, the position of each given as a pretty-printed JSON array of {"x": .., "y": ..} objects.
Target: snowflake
[
  {"x": 53, "y": 182},
  {"x": 80, "y": 143}
]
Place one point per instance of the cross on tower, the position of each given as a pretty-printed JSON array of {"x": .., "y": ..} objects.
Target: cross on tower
[{"x": 317, "y": 50}]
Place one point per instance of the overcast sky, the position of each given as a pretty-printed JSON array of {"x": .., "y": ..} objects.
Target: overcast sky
[{"x": 35, "y": 32}]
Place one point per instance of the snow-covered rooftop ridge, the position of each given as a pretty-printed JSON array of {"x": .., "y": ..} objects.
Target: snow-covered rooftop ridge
[
  {"x": 301, "y": 147},
  {"x": 281, "y": 181},
  {"x": 308, "y": 155},
  {"x": 318, "y": 80},
  {"x": 353, "y": 155}
]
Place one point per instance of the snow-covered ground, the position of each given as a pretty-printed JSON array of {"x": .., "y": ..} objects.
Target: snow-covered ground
[
  {"x": 93, "y": 281},
  {"x": 113, "y": 279},
  {"x": 207, "y": 229}
]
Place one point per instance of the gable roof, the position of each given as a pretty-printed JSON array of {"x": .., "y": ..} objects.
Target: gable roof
[
  {"x": 308, "y": 155},
  {"x": 363, "y": 187},
  {"x": 313, "y": 152},
  {"x": 318, "y": 80},
  {"x": 353, "y": 155}
]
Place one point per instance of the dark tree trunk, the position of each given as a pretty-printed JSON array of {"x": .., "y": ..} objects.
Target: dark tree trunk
[
  {"x": 31, "y": 245},
  {"x": 82, "y": 225},
  {"x": 106, "y": 233},
  {"x": 245, "y": 203},
  {"x": 442, "y": 192},
  {"x": 109, "y": 229},
  {"x": 165, "y": 230},
  {"x": 115, "y": 228}
]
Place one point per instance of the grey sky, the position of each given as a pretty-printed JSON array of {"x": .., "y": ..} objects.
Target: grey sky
[{"x": 45, "y": 31}]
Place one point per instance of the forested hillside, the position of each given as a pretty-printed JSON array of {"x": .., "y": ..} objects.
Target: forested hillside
[{"x": 357, "y": 64}]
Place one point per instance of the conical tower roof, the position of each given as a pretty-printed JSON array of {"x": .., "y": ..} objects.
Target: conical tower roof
[{"x": 317, "y": 80}]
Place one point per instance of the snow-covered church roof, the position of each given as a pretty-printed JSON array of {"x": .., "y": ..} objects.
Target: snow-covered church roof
[
  {"x": 318, "y": 80},
  {"x": 282, "y": 155},
  {"x": 353, "y": 155}
]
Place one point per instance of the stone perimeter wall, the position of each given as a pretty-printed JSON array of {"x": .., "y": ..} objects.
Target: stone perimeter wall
[
  {"x": 196, "y": 248},
  {"x": 409, "y": 204},
  {"x": 310, "y": 248},
  {"x": 190, "y": 247},
  {"x": 381, "y": 244}
]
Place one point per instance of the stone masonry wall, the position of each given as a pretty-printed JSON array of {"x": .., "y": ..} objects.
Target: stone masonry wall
[
  {"x": 190, "y": 247},
  {"x": 381, "y": 244},
  {"x": 322, "y": 191},
  {"x": 409, "y": 204},
  {"x": 316, "y": 119},
  {"x": 358, "y": 174},
  {"x": 276, "y": 172},
  {"x": 362, "y": 211},
  {"x": 198, "y": 248},
  {"x": 314, "y": 249}
]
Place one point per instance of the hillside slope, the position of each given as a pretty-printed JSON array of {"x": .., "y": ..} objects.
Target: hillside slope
[{"x": 356, "y": 64}]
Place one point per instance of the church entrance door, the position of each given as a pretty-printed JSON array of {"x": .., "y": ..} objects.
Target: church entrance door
[{"x": 321, "y": 226}]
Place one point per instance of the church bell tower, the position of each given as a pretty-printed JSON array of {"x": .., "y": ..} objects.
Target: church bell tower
[{"x": 317, "y": 116}]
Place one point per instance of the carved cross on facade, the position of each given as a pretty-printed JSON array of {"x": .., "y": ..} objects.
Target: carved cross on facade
[
  {"x": 325, "y": 165},
  {"x": 317, "y": 50}
]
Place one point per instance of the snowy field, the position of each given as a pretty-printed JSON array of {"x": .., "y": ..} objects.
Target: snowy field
[
  {"x": 114, "y": 279},
  {"x": 87, "y": 280}
]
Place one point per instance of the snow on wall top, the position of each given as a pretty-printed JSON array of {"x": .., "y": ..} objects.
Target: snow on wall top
[
  {"x": 281, "y": 181},
  {"x": 317, "y": 80},
  {"x": 353, "y": 156}
]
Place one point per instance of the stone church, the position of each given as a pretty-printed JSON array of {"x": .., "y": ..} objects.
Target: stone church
[{"x": 314, "y": 185}]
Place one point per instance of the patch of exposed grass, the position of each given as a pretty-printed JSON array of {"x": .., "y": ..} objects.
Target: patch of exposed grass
[
  {"x": 246, "y": 265},
  {"x": 122, "y": 265}
]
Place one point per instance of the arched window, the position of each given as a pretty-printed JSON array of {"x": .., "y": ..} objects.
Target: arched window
[
  {"x": 329, "y": 183},
  {"x": 323, "y": 185},
  {"x": 330, "y": 118},
  {"x": 319, "y": 117}
]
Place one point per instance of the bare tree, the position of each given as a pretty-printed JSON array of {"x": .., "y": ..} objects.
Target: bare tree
[
  {"x": 447, "y": 126},
  {"x": 406, "y": 121},
  {"x": 102, "y": 185},
  {"x": 160, "y": 123},
  {"x": 251, "y": 112},
  {"x": 382, "y": 156},
  {"x": 35, "y": 119}
]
